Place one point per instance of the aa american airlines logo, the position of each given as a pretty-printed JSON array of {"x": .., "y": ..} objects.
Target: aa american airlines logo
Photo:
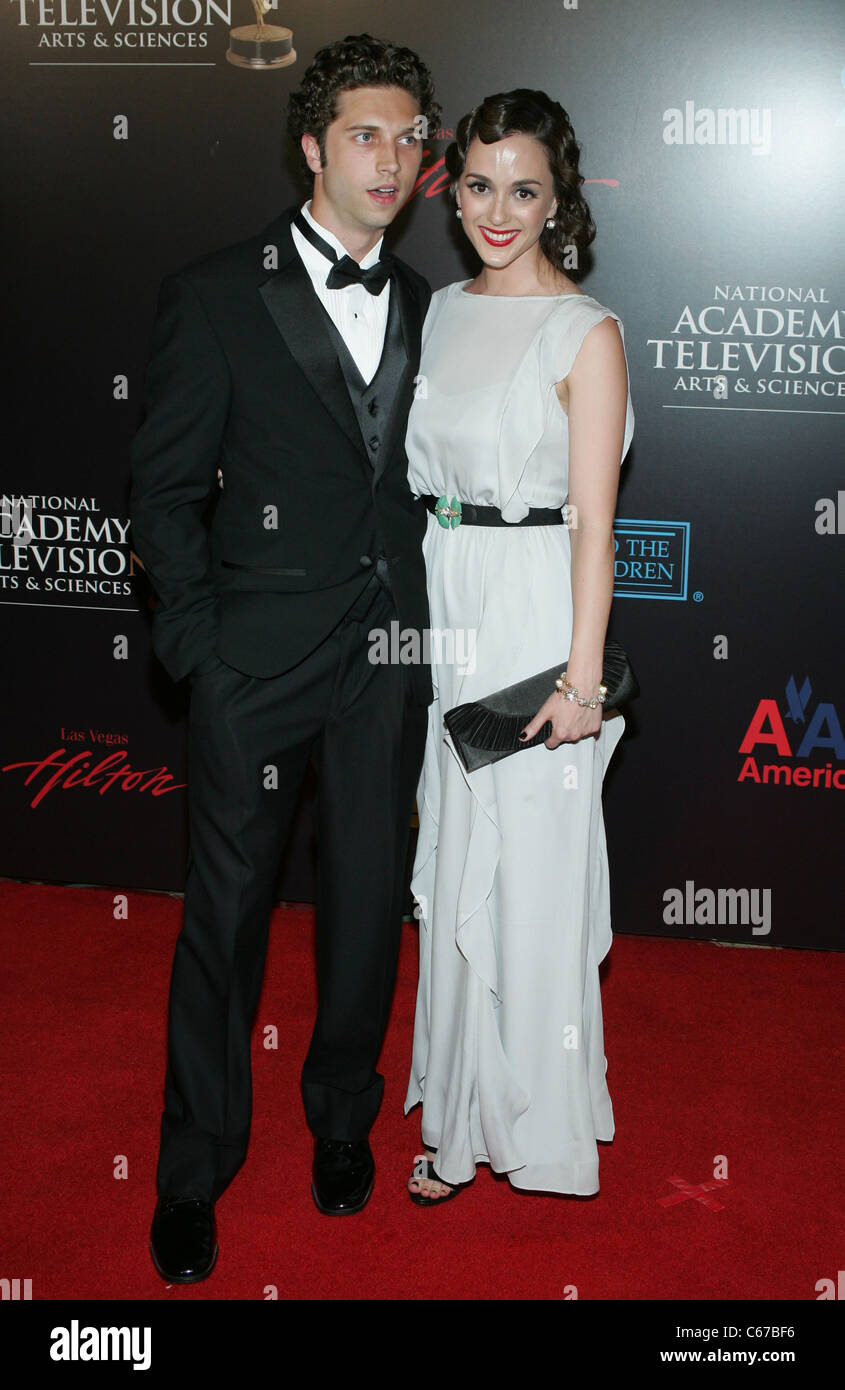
[{"x": 780, "y": 742}]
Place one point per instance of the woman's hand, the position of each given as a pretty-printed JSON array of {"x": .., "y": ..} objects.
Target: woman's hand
[{"x": 570, "y": 721}]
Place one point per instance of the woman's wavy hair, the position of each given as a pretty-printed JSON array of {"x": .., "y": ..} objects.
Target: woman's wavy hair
[
  {"x": 359, "y": 60},
  {"x": 526, "y": 112}
]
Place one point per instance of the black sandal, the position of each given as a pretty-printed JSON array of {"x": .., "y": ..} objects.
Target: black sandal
[{"x": 431, "y": 1176}]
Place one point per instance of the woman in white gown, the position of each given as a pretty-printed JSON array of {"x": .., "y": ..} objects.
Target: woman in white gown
[{"x": 523, "y": 405}]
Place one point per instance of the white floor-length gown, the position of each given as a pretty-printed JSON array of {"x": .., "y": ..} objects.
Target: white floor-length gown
[{"x": 510, "y": 874}]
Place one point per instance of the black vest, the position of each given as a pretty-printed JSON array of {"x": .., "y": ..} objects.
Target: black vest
[{"x": 372, "y": 401}]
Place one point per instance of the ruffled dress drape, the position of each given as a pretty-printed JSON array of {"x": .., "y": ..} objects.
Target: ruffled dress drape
[{"x": 510, "y": 874}]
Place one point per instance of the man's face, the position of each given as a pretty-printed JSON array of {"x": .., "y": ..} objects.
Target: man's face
[{"x": 373, "y": 155}]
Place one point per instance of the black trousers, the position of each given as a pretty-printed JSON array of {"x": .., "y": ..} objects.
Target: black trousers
[{"x": 249, "y": 742}]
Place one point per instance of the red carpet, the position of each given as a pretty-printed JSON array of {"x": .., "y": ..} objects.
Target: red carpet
[{"x": 711, "y": 1051}]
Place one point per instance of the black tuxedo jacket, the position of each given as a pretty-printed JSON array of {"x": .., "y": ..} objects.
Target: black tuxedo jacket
[{"x": 243, "y": 376}]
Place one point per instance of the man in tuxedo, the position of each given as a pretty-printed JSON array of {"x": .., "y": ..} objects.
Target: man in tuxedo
[{"x": 287, "y": 363}]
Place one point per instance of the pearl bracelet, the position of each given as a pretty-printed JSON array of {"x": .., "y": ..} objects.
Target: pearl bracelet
[{"x": 567, "y": 691}]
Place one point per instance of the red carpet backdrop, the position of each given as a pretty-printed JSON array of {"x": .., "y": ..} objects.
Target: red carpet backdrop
[{"x": 712, "y": 145}]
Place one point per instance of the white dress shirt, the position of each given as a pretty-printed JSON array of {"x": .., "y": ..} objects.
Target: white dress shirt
[{"x": 360, "y": 317}]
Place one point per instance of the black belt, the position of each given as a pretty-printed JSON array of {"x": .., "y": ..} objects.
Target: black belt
[{"x": 451, "y": 512}]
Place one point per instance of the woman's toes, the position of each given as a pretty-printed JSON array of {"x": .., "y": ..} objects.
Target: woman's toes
[{"x": 422, "y": 1186}]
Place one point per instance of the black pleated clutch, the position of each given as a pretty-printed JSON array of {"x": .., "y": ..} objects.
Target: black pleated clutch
[{"x": 486, "y": 730}]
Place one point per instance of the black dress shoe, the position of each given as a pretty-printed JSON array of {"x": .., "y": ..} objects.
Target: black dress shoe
[
  {"x": 343, "y": 1176},
  {"x": 183, "y": 1240}
]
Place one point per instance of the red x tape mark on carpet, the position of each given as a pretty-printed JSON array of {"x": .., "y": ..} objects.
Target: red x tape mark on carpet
[{"x": 699, "y": 1193}]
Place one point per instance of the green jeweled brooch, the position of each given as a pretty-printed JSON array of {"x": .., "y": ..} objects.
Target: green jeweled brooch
[{"x": 448, "y": 512}]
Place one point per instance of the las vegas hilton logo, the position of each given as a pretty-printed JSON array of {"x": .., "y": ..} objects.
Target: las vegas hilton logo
[{"x": 261, "y": 46}]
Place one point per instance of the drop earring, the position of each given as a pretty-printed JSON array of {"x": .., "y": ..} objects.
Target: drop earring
[
  {"x": 458, "y": 213},
  {"x": 550, "y": 221}
]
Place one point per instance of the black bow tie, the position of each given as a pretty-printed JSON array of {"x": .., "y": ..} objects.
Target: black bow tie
[{"x": 345, "y": 270}]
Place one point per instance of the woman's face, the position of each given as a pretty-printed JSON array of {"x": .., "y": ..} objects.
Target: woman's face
[{"x": 505, "y": 194}]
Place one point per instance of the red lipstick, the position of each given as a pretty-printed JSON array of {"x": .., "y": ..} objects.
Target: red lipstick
[{"x": 495, "y": 238}]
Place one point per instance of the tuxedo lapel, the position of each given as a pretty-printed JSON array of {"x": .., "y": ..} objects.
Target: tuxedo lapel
[
  {"x": 409, "y": 320},
  {"x": 300, "y": 318},
  {"x": 298, "y": 315}
]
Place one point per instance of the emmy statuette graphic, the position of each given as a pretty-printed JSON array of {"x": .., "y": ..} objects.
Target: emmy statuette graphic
[{"x": 261, "y": 45}]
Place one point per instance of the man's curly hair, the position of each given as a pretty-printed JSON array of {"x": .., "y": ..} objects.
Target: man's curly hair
[{"x": 359, "y": 60}]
